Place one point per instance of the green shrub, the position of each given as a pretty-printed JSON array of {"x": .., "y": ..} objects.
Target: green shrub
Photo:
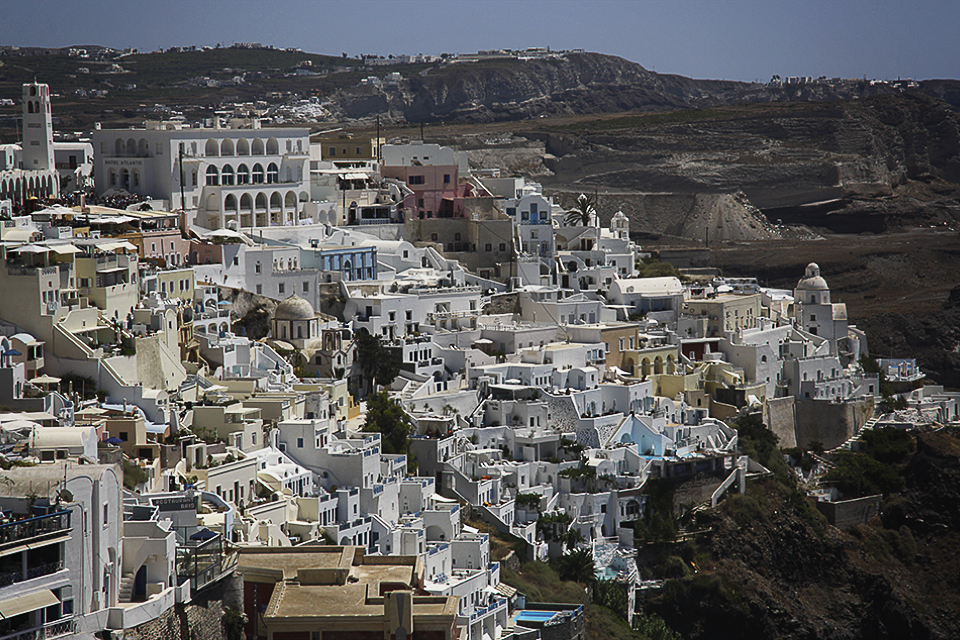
[
  {"x": 888, "y": 444},
  {"x": 858, "y": 475},
  {"x": 744, "y": 509}
]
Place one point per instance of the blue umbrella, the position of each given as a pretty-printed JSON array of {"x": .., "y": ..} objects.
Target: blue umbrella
[
  {"x": 114, "y": 440},
  {"x": 224, "y": 303},
  {"x": 203, "y": 534},
  {"x": 11, "y": 352}
]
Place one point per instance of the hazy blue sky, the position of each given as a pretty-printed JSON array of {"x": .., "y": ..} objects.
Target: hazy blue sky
[{"x": 732, "y": 39}]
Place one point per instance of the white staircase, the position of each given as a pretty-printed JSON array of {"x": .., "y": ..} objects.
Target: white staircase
[{"x": 126, "y": 588}]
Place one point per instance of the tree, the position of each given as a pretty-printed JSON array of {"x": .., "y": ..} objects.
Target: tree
[
  {"x": 377, "y": 363},
  {"x": 582, "y": 213},
  {"x": 577, "y": 566},
  {"x": 390, "y": 420}
]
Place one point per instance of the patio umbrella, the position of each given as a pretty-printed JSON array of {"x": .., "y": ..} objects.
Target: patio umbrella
[
  {"x": 203, "y": 534},
  {"x": 11, "y": 352},
  {"x": 114, "y": 440},
  {"x": 45, "y": 379}
]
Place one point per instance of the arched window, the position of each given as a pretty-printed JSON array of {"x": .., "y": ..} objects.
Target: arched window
[
  {"x": 143, "y": 148},
  {"x": 131, "y": 147},
  {"x": 243, "y": 174},
  {"x": 258, "y": 173},
  {"x": 273, "y": 147},
  {"x": 226, "y": 147},
  {"x": 125, "y": 179},
  {"x": 226, "y": 175},
  {"x": 212, "y": 149},
  {"x": 243, "y": 147},
  {"x": 273, "y": 174},
  {"x": 257, "y": 147},
  {"x": 213, "y": 178},
  {"x": 29, "y": 106},
  {"x": 118, "y": 147}
]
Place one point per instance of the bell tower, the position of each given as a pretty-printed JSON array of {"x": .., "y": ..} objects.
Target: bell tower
[{"x": 37, "y": 152}]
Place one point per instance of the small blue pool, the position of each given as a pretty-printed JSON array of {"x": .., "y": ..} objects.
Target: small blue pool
[{"x": 535, "y": 616}]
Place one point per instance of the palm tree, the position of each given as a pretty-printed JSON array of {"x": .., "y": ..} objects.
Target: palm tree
[
  {"x": 582, "y": 213},
  {"x": 578, "y": 566}
]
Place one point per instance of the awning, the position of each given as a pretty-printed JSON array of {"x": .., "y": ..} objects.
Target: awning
[
  {"x": 30, "y": 248},
  {"x": 354, "y": 176},
  {"x": 20, "y": 234},
  {"x": 29, "y": 602},
  {"x": 65, "y": 248},
  {"x": 113, "y": 246}
]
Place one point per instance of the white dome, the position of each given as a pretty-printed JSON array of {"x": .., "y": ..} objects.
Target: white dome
[
  {"x": 294, "y": 308},
  {"x": 811, "y": 280}
]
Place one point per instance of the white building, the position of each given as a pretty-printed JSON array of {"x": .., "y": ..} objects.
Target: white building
[{"x": 234, "y": 176}]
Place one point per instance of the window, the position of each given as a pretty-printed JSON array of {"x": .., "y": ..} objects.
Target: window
[
  {"x": 281, "y": 288},
  {"x": 488, "y": 247},
  {"x": 258, "y": 173},
  {"x": 414, "y": 179},
  {"x": 236, "y": 261},
  {"x": 446, "y": 178},
  {"x": 257, "y": 268},
  {"x": 299, "y": 443},
  {"x": 333, "y": 151},
  {"x": 259, "y": 289},
  {"x": 433, "y": 237},
  {"x": 306, "y": 287},
  {"x": 273, "y": 174},
  {"x": 213, "y": 178},
  {"x": 503, "y": 246},
  {"x": 106, "y": 514},
  {"x": 813, "y": 317}
]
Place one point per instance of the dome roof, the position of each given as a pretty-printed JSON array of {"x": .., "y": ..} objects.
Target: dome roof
[
  {"x": 811, "y": 280},
  {"x": 294, "y": 308}
]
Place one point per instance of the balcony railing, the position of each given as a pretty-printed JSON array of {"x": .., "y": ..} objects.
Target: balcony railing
[
  {"x": 49, "y": 630},
  {"x": 23, "y": 530}
]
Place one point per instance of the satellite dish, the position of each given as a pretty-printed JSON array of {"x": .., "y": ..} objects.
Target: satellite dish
[{"x": 65, "y": 495}]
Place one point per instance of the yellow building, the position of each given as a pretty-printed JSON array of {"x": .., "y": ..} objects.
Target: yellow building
[
  {"x": 726, "y": 312},
  {"x": 339, "y": 593}
]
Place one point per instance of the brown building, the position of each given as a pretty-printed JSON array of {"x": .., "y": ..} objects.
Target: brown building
[{"x": 339, "y": 593}]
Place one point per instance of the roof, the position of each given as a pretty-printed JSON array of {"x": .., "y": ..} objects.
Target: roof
[
  {"x": 294, "y": 308},
  {"x": 811, "y": 281},
  {"x": 667, "y": 285}
]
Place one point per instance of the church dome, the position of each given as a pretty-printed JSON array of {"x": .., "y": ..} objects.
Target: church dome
[
  {"x": 294, "y": 308},
  {"x": 811, "y": 280}
]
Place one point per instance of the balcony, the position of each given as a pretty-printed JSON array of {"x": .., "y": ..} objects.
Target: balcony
[
  {"x": 49, "y": 630},
  {"x": 34, "y": 529}
]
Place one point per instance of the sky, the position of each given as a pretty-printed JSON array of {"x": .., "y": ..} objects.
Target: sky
[{"x": 717, "y": 39}]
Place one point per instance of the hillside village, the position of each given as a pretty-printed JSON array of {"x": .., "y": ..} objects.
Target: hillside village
[{"x": 340, "y": 367}]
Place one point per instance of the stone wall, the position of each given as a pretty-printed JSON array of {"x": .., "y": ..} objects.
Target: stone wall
[
  {"x": 503, "y": 303},
  {"x": 831, "y": 423},
  {"x": 201, "y": 619},
  {"x": 778, "y": 415},
  {"x": 847, "y": 513}
]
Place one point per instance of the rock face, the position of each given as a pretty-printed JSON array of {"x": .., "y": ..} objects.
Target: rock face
[
  {"x": 785, "y": 575},
  {"x": 514, "y": 90},
  {"x": 779, "y": 155}
]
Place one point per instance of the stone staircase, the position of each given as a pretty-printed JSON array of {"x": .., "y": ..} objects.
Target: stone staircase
[
  {"x": 848, "y": 445},
  {"x": 126, "y": 588}
]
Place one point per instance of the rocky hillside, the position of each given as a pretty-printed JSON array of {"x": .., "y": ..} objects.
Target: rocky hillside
[
  {"x": 780, "y": 155},
  {"x": 576, "y": 83},
  {"x": 772, "y": 568}
]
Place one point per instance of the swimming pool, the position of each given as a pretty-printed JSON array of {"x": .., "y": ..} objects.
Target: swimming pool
[{"x": 535, "y": 616}]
